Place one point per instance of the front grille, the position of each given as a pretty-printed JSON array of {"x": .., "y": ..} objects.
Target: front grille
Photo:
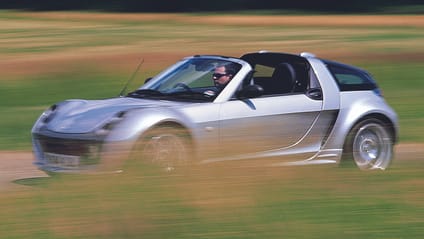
[{"x": 87, "y": 150}]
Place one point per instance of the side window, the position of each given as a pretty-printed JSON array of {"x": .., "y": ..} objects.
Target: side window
[
  {"x": 348, "y": 77},
  {"x": 263, "y": 71},
  {"x": 351, "y": 79}
]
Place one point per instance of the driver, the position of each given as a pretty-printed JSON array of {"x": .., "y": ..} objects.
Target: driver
[{"x": 222, "y": 75}]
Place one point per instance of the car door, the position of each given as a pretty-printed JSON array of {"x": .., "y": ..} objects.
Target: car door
[
  {"x": 286, "y": 119},
  {"x": 274, "y": 123}
]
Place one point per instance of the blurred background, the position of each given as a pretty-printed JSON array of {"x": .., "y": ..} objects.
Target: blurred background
[{"x": 56, "y": 50}]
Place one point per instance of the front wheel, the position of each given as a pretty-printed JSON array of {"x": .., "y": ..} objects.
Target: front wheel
[
  {"x": 370, "y": 145},
  {"x": 166, "y": 147}
]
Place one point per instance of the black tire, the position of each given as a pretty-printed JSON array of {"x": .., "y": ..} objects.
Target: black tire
[
  {"x": 167, "y": 147},
  {"x": 369, "y": 146}
]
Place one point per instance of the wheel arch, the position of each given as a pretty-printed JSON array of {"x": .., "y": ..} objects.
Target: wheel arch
[
  {"x": 366, "y": 162},
  {"x": 379, "y": 116},
  {"x": 173, "y": 124}
]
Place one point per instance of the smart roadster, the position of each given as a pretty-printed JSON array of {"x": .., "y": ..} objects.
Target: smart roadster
[{"x": 282, "y": 109}]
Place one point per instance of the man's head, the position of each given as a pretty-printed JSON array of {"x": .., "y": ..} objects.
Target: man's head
[{"x": 222, "y": 75}]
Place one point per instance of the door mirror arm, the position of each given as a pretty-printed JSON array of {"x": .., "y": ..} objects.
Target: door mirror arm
[{"x": 314, "y": 93}]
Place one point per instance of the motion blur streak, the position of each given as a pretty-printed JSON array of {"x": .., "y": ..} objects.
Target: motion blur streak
[{"x": 218, "y": 200}]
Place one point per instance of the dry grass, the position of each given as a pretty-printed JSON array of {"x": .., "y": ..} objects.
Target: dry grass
[
  {"x": 170, "y": 37},
  {"x": 320, "y": 20}
]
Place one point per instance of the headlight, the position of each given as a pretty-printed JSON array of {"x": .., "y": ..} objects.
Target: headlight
[
  {"x": 108, "y": 126},
  {"x": 48, "y": 114},
  {"x": 45, "y": 117}
]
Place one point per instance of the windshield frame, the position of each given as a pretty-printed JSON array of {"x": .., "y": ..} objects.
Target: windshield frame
[{"x": 156, "y": 82}]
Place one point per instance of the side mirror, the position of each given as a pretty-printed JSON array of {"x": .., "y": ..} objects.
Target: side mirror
[
  {"x": 250, "y": 91},
  {"x": 314, "y": 93}
]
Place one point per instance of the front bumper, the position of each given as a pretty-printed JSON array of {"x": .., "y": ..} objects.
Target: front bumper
[{"x": 53, "y": 154}]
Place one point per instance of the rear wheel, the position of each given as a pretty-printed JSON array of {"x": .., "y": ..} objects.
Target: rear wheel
[
  {"x": 369, "y": 145},
  {"x": 166, "y": 147}
]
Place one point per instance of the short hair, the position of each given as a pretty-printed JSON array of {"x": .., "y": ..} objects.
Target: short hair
[{"x": 229, "y": 68}]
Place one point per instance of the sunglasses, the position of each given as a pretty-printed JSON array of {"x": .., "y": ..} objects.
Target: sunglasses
[{"x": 218, "y": 75}]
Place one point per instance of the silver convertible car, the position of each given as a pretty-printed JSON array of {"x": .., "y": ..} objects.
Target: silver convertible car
[{"x": 282, "y": 109}]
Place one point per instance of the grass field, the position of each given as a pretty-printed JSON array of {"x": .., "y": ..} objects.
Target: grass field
[
  {"x": 225, "y": 201},
  {"x": 48, "y": 57}
]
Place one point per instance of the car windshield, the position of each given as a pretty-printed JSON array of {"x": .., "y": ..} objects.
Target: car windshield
[{"x": 188, "y": 80}]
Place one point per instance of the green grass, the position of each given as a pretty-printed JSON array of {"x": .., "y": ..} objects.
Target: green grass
[
  {"x": 22, "y": 101},
  {"x": 402, "y": 87}
]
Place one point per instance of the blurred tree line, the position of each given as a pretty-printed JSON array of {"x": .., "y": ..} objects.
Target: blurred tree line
[{"x": 199, "y": 6}]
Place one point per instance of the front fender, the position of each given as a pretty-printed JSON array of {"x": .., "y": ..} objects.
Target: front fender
[{"x": 138, "y": 121}]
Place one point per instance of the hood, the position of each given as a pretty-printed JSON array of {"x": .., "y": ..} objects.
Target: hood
[{"x": 83, "y": 116}]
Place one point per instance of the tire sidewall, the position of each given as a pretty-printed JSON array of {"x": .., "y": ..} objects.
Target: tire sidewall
[
  {"x": 348, "y": 157},
  {"x": 140, "y": 156}
]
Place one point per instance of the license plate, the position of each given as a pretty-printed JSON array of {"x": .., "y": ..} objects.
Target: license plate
[{"x": 62, "y": 160}]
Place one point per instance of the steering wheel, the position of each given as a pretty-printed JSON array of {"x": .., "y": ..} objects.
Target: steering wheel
[{"x": 182, "y": 85}]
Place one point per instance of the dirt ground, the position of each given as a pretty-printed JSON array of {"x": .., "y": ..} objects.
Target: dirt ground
[{"x": 15, "y": 165}]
